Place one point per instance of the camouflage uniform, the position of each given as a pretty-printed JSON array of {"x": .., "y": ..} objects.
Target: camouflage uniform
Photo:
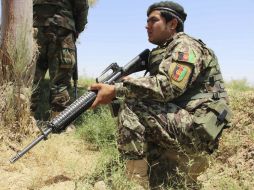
[
  {"x": 181, "y": 107},
  {"x": 58, "y": 23}
]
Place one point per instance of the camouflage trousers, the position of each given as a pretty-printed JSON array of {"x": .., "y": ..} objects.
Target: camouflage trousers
[
  {"x": 162, "y": 133},
  {"x": 56, "y": 55}
]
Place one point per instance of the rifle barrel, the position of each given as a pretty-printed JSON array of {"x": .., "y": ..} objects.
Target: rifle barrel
[{"x": 31, "y": 145}]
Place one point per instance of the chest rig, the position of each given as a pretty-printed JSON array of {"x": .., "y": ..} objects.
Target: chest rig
[{"x": 155, "y": 58}]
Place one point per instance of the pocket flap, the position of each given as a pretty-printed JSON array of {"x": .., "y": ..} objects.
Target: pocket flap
[{"x": 222, "y": 110}]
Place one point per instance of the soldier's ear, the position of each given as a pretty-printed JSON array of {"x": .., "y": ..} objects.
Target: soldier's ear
[
  {"x": 168, "y": 25},
  {"x": 173, "y": 24}
]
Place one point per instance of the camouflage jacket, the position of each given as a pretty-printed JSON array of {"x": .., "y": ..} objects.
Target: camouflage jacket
[
  {"x": 69, "y": 14},
  {"x": 182, "y": 71}
]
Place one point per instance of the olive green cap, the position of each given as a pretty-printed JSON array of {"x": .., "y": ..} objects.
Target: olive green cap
[{"x": 174, "y": 8}]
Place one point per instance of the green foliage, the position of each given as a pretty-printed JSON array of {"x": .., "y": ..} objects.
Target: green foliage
[
  {"x": 239, "y": 85},
  {"x": 97, "y": 127},
  {"x": 84, "y": 83},
  {"x": 111, "y": 170}
]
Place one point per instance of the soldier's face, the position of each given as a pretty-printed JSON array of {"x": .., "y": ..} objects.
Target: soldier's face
[{"x": 157, "y": 29}]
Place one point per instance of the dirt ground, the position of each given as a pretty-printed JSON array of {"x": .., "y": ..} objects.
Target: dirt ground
[
  {"x": 231, "y": 170},
  {"x": 55, "y": 164},
  {"x": 63, "y": 162}
]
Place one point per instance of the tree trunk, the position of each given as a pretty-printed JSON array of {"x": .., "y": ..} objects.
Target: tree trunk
[
  {"x": 16, "y": 59},
  {"x": 16, "y": 41}
]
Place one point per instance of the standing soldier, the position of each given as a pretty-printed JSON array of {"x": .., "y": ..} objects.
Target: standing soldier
[
  {"x": 177, "y": 112},
  {"x": 59, "y": 23}
]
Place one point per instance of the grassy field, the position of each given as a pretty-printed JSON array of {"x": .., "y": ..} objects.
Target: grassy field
[{"x": 79, "y": 159}]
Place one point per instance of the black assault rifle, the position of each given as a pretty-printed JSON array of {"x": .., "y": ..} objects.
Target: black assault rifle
[{"x": 110, "y": 75}]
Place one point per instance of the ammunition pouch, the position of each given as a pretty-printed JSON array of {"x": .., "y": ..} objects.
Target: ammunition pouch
[
  {"x": 209, "y": 124},
  {"x": 114, "y": 107}
]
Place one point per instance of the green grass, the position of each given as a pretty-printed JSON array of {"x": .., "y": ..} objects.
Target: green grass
[
  {"x": 239, "y": 85},
  {"x": 97, "y": 127}
]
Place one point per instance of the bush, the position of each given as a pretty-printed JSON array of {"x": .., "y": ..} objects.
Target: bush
[
  {"x": 97, "y": 127},
  {"x": 239, "y": 85}
]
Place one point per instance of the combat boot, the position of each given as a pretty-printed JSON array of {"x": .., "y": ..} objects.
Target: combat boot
[{"x": 137, "y": 171}]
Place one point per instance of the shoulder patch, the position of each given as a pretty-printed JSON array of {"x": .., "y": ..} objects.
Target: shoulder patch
[
  {"x": 189, "y": 56},
  {"x": 180, "y": 74}
]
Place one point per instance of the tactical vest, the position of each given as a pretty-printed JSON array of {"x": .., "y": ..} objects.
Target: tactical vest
[
  {"x": 53, "y": 13},
  {"x": 155, "y": 58},
  {"x": 209, "y": 83}
]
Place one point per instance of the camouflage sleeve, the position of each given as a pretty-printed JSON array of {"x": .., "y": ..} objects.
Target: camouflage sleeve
[
  {"x": 177, "y": 71},
  {"x": 80, "y": 11}
]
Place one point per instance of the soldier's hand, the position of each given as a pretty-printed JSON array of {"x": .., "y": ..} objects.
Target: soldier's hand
[{"x": 106, "y": 93}]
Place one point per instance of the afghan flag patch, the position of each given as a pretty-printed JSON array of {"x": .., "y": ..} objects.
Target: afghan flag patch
[
  {"x": 186, "y": 56},
  {"x": 179, "y": 73},
  {"x": 182, "y": 56}
]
